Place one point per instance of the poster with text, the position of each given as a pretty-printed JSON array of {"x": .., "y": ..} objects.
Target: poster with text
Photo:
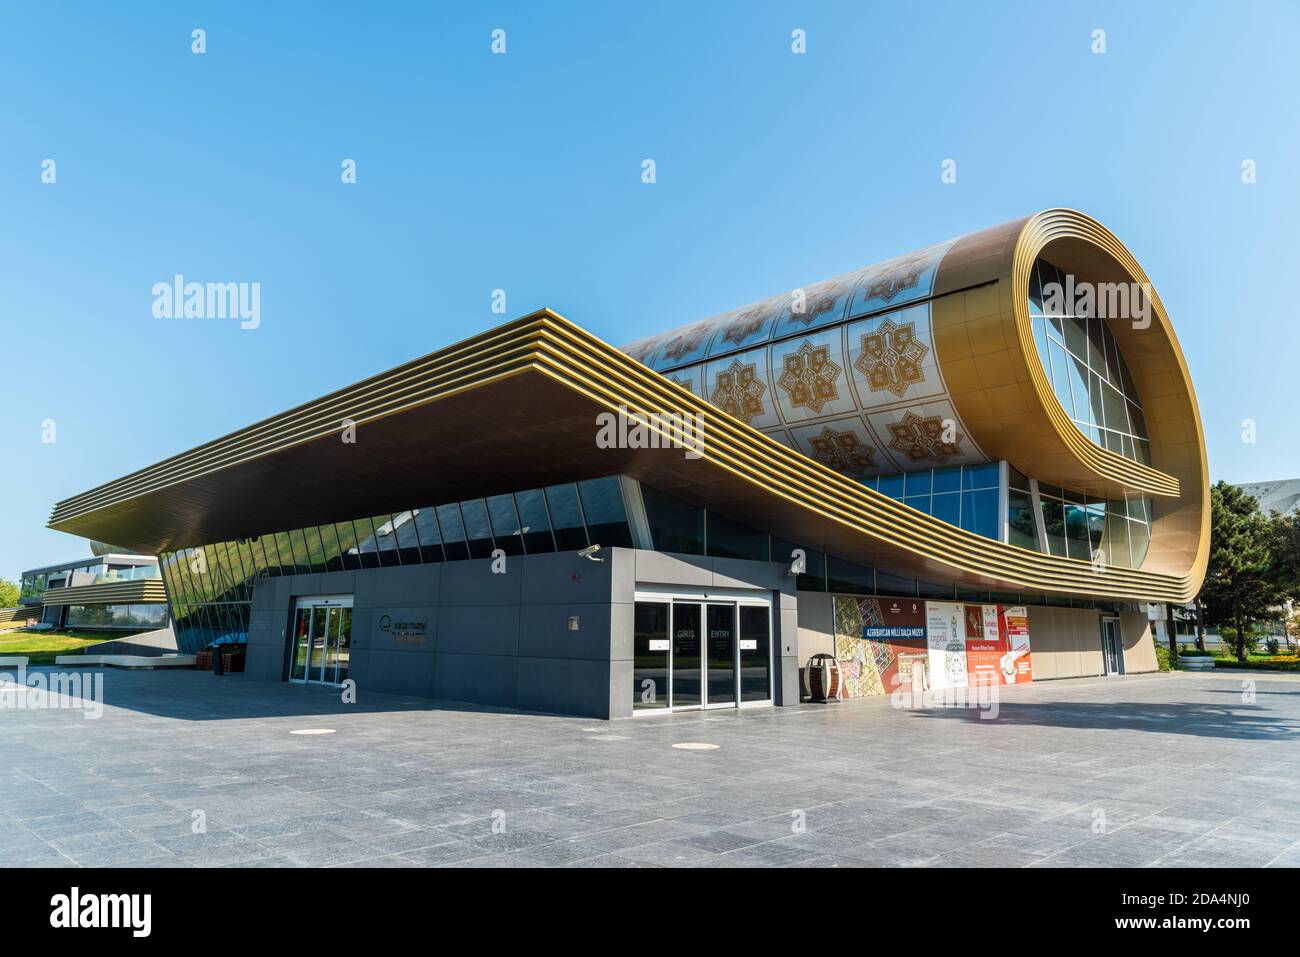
[
  {"x": 945, "y": 634},
  {"x": 1017, "y": 664},
  {"x": 985, "y": 644}
]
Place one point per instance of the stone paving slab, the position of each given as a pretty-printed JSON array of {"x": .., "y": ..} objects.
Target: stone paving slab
[{"x": 184, "y": 769}]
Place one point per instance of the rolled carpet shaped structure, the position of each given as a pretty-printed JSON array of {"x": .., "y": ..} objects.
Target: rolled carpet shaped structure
[{"x": 948, "y": 356}]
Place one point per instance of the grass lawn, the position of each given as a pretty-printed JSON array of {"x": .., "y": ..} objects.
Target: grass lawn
[{"x": 41, "y": 646}]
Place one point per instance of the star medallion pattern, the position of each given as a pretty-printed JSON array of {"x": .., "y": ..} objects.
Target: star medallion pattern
[
  {"x": 744, "y": 324},
  {"x": 922, "y": 439},
  {"x": 843, "y": 451},
  {"x": 891, "y": 357},
  {"x": 818, "y": 301},
  {"x": 809, "y": 377},
  {"x": 902, "y": 275},
  {"x": 686, "y": 341},
  {"x": 737, "y": 390}
]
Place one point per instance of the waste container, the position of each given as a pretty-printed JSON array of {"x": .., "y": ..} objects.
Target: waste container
[{"x": 824, "y": 678}]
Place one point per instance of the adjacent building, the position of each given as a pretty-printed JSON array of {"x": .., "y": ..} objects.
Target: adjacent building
[
  {"x": 974, "y": 463},
  {"x": 110, "y": 591}
]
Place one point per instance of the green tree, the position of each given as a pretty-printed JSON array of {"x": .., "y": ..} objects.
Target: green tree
[
  {"x": 8, "y": 593},
  {"x": 1243, "y": 584}
]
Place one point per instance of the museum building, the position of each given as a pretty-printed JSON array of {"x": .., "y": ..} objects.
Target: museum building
[{"x": 974, "y": 463}]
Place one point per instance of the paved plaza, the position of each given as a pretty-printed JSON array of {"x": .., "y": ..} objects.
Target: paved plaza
[{"x": 185, "y": 769}]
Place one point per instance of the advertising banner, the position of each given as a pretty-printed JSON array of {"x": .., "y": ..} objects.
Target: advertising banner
[
  {"x": 985, "y": 644},
  {"x": 945, "y": 635},
  {"x": 881, "y": 646},
  {"x": 1016, "y": 665}
]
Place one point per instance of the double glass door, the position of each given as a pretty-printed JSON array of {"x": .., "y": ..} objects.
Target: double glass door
[
  {"x": 322, "y": 640},
  {"x": 701, "y": 654}
]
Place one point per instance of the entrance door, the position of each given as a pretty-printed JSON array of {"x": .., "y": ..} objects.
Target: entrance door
[
  {"x": 1112, "y": 646},
  {"x": 720, "y": 657},
  {"x": 692, "y": 653},
  {"x": 322, "y": 640},
  {"x": 687, "y": 691}
]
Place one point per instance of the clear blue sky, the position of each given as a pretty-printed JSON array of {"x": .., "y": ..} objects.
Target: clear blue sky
[{"x": 522, "y": 172}]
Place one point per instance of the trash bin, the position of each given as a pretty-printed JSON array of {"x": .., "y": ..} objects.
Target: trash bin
[{"x": 824, "y": 678}]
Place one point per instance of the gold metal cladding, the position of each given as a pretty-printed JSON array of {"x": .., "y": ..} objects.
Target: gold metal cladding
[
  {"x": 135, "y": 592},
  {"x": 985, "y": 344},
  {"x": 985, "y": 341},
  {"x": 805, "y": 500}
]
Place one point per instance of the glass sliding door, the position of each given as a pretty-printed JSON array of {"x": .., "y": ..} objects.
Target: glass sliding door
[
  {"x": 650, "y": 656},
  {"x": 755, "y": 652},
  {"x": 700, "y": 652},
  {"x": 687, "y": 627},
  {"x": 322, "y": 640},
  {"x": 720, "y": 684}
]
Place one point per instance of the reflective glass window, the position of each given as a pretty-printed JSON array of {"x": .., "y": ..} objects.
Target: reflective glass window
[
  {"x": 478, "y": 530},
  {"x": 426, "y": 526},
  {"x": 408, "y": 542},
  {"x": 367, "y": 544},
  {"x": 979, "y": 512},
  {"x": 535, "y": 524},
  {"x": 1020, "y": 520},
  {"x": 505, "y": 524},
  {"x": 386, "y": 539},
  {"x": 566, "y": 517},
  {"x": 349, "y": 550},
  {"x": 728, "y": 538},
  {"x": 847, "y": 578},
  {"x": 452, "y": 527},
  {"x": 602, "y": 505},
  {"x": 675, "y": 526}
]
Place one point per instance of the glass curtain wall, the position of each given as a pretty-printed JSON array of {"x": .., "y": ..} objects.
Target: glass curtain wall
[{"x": 210, "y": 587}]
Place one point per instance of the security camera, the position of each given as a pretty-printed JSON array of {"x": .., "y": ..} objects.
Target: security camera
[{"x": 589, "y": 553}]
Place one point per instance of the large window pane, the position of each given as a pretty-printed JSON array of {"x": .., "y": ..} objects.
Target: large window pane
[
  {"x": 452, "y": 527},
  {"x": 386, "y": 540},
  {"x": 847, "y": 578},
  {"x": 478, "y": 530},
  {"x": 602, "y": 504},
  {"x": 566, "y": 517},
  {"x": 728, "y": 538},
  {"x": 675, "y": 526},
  {"x": 367, "y": 546},
  {"x": 426, "y": 526},
  {"x": 979, "y": 512},
  {"x": 348, "y": 550},
  {"x": 408, "y": 543},
  {"x": 1020, "y": 520},
  {"x": 1076, "y": 532},
  {"x": 505, "y": 524},
  {"x": 329, "y": 538},
  {"x": 535, "y": 524}
]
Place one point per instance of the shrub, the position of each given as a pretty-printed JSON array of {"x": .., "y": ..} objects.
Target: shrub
[
  {"x": 1164, "y": 658},
  {"x": 1270, "y": 646}
]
